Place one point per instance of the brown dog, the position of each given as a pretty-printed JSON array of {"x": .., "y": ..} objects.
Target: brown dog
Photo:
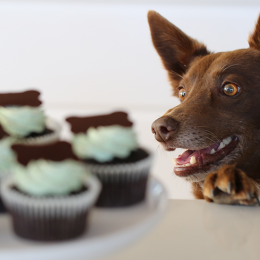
[{"x": 218, "y": 120}]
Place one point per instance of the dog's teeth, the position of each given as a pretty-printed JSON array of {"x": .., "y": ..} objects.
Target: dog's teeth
[
  {"x": 212, "y": 151},
  {"x": 174, "y": 160},
  {"x": 227, "y": 140},
  {"x": 187, "y": 164},
  {"x": 182, "y": 165},
  {"x": 222, "y": 145},
  {"x": 193, "y": 160}
]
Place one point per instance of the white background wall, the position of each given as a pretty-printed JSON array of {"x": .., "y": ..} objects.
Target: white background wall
[{"x": 90, "y": 56}]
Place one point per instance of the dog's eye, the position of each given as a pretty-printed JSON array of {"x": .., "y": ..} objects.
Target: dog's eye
[
  {"x": 230, "y": 89},
  {"x": 182, "y": 93}
]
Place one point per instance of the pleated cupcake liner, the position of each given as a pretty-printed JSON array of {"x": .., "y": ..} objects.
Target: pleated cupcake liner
[
  {"x": 122, "y": 184},
  {"x": 122, "y": 194},
  {"x": 3, "y": 174},
  {"x": 53, "y": 218},
  {"x": 2, "y": 206},
  {"x": 54, "y": 229},
  {"x": 44, "y": 139}
]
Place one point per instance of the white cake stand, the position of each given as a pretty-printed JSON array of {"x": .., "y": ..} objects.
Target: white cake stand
[{"x": 109, "y": 230}]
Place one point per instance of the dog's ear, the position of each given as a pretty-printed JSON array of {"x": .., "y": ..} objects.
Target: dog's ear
[
  {"x": 254, "y": 38},
  {"x": 175, "y": 48}
]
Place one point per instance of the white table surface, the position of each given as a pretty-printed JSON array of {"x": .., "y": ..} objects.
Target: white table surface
[{"x": 195, "y": 229}]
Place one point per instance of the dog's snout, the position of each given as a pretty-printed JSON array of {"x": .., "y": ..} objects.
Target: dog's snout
[{"x": 164, "y": 128}]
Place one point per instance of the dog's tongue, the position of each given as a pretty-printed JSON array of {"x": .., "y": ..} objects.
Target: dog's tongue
[{"x": 185, "y": 157}]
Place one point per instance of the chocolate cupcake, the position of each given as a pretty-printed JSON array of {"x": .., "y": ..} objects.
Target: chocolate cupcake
[
  {"x": 50, "y": 193},
  {"x": 107, "y": 145},
  {"x": 22, "y": 118}
]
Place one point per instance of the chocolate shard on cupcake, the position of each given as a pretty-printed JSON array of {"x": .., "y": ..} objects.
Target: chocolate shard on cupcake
[
  {"x": 22, "y": 118},
  {"x": 108, "y": 146},
  {"x": 82, "y": 124},
  {"x": 26, "y": 98},
  {"x": 57, "y": 152},
  {"x": 49, "y": 195}
]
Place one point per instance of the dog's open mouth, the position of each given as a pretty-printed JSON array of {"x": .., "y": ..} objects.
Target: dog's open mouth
[{"x": 193, "y": 161}]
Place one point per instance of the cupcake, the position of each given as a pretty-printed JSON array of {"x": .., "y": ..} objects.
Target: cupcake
[
  {"x": 49, "y": 193},
  {"x": 108, "y": 146},
  {"x": 22, "y": 118}
]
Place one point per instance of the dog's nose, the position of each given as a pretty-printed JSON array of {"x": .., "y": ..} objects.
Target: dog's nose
[{"x": 164, "y": 128}]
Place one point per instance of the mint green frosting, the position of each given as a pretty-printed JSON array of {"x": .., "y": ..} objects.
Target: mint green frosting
[
  {"x": 7, "y": 156},
  {"x": 104, "y": 143},
  {"x": 42, "y": 177},
  {"x": 21, "y": 121}
]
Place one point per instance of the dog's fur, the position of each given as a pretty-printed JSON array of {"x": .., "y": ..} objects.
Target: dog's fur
[{"x": 207, "y": 115}]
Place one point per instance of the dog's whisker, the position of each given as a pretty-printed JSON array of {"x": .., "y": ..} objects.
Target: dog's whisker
[
  {"x": 213, "y": 135},
  {"x": 213, "y": 141},
  {"x": 209, "y": 132},
  {"x": 226, "y": 67},
  {"x": 173, "y": 72},
  {"x": 209, "y": 139}
]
